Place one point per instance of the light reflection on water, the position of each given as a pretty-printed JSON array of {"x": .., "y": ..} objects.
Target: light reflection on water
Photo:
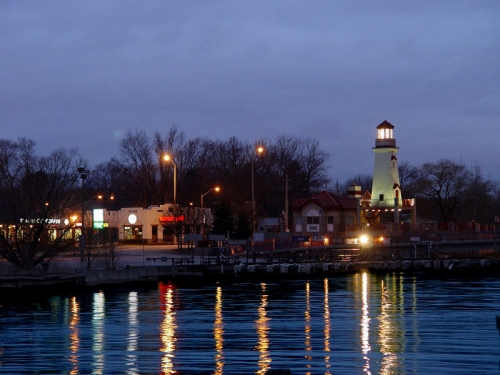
[
  {"x": 262, "y": 326},
  {"x": 98, "y": 321},
  {"x": 167, "y": 332},
  {"x": 327, "y": 328},
  {"x": 133, "y": 333},
  {"x": 356, "y": 324},
  {"x": 74, "y": 334},
  {"x": 219, "y": 333}
]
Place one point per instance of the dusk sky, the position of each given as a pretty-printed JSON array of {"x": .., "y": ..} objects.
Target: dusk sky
[{"x": 83, "y": 73}]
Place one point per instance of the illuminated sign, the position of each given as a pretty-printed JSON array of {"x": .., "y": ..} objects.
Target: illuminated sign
[
  {"x": 98, "y": 214},
  {"x": 171, "y": 219},
  {"x": 39, "y": 221},
  {"x": 132, "y": 219}
]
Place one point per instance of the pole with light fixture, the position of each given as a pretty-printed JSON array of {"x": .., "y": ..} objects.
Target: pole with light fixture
[
  {"x": 169, "y": 158},
  {"x": 217, "y": 189},
  {"x": 257, "y": 152},
  {"x": 84, "y": 172}
]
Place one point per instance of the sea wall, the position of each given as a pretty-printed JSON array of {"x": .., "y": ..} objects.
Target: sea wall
[{"x": 249, "y": 272}]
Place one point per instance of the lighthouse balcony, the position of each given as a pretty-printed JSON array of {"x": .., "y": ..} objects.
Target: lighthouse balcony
[
  {"x": 386, "y": 203},
  {"x": 391, "y": 142}
]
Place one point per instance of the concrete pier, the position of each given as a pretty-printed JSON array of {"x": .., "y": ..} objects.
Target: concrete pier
[{"x": 248, "y": 272}]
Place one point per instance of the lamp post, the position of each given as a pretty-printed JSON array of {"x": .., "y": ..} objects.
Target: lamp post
[
  {"x": 84, "y": 172},
  {"x": 257, "y": 152},
  {"x": 169, "y": 158},
  {"x": 217, "y": 189}
]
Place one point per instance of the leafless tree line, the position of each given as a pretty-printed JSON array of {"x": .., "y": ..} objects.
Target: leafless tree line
[
  {"x": 141, "y": 176},
  {"x": 38, "y": 188},
  {"x": 35, "y": 189},
  {"x": 446, "y": 190}
]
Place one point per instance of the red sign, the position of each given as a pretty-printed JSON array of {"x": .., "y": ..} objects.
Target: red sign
[{"x": 171, "y": 219}]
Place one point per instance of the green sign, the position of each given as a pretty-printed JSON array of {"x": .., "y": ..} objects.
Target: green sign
[{"x": 98, "y": 224}]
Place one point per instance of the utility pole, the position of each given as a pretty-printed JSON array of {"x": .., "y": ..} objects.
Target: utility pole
[
  {"x": 84, "y": 172},
  {"x": 286, "y": 203}
]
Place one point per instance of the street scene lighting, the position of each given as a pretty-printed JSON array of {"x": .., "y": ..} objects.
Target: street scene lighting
[
  {"x": 217, "y": 189},
  {"x": 257, "y": 152},
  {"x": 168, "y": 158}
]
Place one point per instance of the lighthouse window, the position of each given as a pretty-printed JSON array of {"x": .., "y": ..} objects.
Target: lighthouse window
[{"x": 384, "y": 133}]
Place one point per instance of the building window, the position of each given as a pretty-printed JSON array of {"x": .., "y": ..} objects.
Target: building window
[
  {"x": 313, "y": 220},
  {"x": 330, "y": 219},
  {"x": 381, "y": 197}
]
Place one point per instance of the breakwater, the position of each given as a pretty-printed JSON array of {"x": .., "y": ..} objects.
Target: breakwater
[{"x": 251, "y": 272}]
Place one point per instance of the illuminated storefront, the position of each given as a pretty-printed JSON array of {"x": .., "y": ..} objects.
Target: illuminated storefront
[{"x": 145, "y": 224}]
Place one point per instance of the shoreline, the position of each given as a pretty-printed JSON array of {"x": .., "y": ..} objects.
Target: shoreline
[{"x": 141, "y": 276}]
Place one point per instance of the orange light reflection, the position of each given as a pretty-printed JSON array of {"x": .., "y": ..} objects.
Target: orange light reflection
[
  {"x": 262, "y": 325},
  {"x": 219, "y": 333},
  {"x": 167, "y": 337},
  {"x": 74, "y": 335}
]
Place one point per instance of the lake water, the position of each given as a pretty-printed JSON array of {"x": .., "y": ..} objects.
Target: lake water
[{"x": 353, "y": 324}]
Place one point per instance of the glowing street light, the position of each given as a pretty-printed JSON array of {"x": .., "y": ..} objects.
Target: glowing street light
[
  {"x": 217, "y": 189},
  {"x": 257, "y": 152},
  {"x": 169, "y": 158}
]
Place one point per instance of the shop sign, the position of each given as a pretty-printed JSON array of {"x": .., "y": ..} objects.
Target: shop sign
[
  {"x": 171, "y": 219},
  {"x": 40, "y": 221}
]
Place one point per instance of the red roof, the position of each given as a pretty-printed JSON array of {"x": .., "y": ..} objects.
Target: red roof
[{"x": 327, "y": 201}]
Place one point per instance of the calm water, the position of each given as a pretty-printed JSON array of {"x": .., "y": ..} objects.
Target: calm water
[{"x": 355, "y": 324}]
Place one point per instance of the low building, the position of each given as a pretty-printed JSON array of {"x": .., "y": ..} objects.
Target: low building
[
  {"x": 155, "y": 224},
  {"x": 327, "y": 218}
]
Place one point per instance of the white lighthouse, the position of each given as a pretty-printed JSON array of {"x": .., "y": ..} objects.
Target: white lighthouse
[{"x": 386, "y": 191}]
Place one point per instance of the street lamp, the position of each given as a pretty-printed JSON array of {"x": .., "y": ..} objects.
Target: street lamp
[
  {"x": 257, "y": 152},
  {"x": 84, "y": 172},
  {"x": 217, "y": 189},
  {"x": 169, "y": 158}
]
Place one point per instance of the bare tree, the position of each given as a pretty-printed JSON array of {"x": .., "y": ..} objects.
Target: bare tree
[
  {"x": 479, "y": 196},
  {"x": 37, "y": 191},
  {"x": 139, "y": 168},
  {"x": 313, "y": 161},
  {"x": 409, "y": 177},
  {"x": 363, "y": 180},
  {"x": 443, "y": 185}
]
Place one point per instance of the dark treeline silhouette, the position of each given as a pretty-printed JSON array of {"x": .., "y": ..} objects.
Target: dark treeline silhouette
[
  {"x": 39, "y": 188},
  {"x": 140, "y": 176},
  {"x": 445, "y": 191}
]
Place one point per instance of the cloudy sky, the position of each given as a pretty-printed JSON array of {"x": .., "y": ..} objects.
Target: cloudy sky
[{"x": 83, "y": 73}]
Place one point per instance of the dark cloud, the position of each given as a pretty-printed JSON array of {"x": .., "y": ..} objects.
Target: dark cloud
[{"x": 79, "y": 74}]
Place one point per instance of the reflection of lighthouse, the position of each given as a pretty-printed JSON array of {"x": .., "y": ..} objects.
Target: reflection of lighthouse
[{"x": 386, "y": 191}]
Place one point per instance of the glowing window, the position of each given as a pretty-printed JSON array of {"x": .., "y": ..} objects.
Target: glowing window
[{"x": 384, "y": 133}]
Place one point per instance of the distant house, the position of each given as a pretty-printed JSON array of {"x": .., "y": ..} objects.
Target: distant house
[{"x": 327, "y": 218}]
